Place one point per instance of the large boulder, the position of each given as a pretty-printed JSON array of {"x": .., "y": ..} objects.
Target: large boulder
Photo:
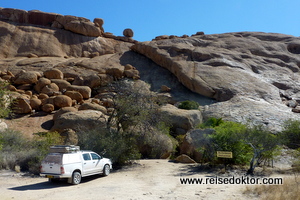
[
  {"x": 14, "y": 15},
  {"x": 26, "y": 77},
  {"x": 79, "y": 25},
  {"x": 181, "y": 120},
  {"x": 41, "y": 18},
  {"x": 22, "y": 105},
  {"x": 80, "y": 120},
  {"x": 194, "y": 140}
]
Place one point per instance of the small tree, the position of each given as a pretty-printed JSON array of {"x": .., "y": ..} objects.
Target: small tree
[
  {"x": 134, "y": 124},
  {"x": 263, "y": 144}
]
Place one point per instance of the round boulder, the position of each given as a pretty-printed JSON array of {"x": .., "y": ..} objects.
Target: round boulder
[
  {"x": 85, "y": 91},
  {"x": 99, "y": 22},
  {"x": 35, "y": 103},
  {"x": 48, "y": 108},
  {"x": 75, "y": 96},
  {"x": 61, "y": 101},
  {"x": 62, "y": 84},
  {"x": 42, "y": 82},
  {"x": 54, "y": 74},
  {"x": 128, "y": 32},
  {"x": 50, "y": 89}
]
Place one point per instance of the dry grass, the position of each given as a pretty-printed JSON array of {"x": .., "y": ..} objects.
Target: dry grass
[{"x": 289, "y": 190}]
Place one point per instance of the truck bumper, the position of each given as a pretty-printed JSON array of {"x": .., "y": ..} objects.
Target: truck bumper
[{"x": 54, "y": 176}]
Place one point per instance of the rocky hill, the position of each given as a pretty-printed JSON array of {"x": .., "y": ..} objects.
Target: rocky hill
[{"x": 237, "y": 76}]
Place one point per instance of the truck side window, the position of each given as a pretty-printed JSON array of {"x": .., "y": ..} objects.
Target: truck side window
[
  {"x": 86, "y": 156},
  {"x": 95, "y": 156}
]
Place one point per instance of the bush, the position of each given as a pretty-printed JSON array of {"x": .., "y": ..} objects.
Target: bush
[
  {"x": 189, "y": 105},
  {"x": 211, "y": 123},
  {"x": 155, "y": 142},
  {"x": 17, "y": 150},
  {"x": 227, "y": 137},
  {"x": 291, "y": 133},
  {"x": 120, "y": 148}
]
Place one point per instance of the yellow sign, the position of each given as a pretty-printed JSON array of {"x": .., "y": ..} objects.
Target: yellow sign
[{"x": 224, "y": 154}]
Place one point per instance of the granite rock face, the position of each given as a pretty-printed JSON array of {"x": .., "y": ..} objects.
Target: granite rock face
[{"x": 250, "y": 74}]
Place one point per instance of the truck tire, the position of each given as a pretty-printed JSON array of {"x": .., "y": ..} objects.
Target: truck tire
[
  {"x": 76, "y": 178},
  {"x": 106, "y": 170}
]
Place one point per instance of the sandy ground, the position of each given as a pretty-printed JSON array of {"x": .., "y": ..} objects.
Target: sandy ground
[{"x": 149, "y": 179}]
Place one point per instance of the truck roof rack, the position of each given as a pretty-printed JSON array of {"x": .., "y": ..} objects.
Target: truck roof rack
[{"x": 64, "y": 149}]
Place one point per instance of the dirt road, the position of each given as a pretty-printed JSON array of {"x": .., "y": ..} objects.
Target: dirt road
[{"x": 149, "y": 179}]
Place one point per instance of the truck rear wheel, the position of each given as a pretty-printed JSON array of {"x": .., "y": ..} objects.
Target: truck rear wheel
[{"x": 76, "y": 178}]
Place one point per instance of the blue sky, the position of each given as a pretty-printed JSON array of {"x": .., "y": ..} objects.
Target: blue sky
[{"x": 149, "y": 19}]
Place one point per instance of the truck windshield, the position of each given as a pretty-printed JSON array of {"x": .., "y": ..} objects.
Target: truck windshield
[{"x": 53, "y": 158}]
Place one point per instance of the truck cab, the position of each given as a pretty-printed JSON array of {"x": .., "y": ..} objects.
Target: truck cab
[{"x": 69, "y": 162}]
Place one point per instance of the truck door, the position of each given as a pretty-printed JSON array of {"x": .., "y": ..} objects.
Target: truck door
[
  {"x": 88, "y": 164},
  {"x": 98, "y": 165}
]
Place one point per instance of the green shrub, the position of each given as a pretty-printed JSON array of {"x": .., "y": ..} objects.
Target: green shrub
[
  {"x": 227, "y": 137},
  {"x": 211, "y": 123},
  {"x": 189, "y": 105},
  {"x": 17, "y": 150},
  {"x": 291, "y": 133}
]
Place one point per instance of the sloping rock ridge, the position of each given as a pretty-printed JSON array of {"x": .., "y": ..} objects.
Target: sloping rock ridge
[{"x": 253, "y": 75}]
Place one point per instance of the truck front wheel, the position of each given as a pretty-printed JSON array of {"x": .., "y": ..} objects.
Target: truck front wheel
[
  {"x": 76, "y": 178},
  {"x": 106, "y": 170}
]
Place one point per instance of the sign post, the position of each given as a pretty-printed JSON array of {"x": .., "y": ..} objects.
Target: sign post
[{"x": 224, "y": 154}]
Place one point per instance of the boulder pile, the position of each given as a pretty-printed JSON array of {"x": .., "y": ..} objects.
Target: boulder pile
[{"x": 52, "y": 89}]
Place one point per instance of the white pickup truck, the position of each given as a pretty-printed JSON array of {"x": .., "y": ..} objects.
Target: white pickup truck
[{"x": 70, "y": 163}]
